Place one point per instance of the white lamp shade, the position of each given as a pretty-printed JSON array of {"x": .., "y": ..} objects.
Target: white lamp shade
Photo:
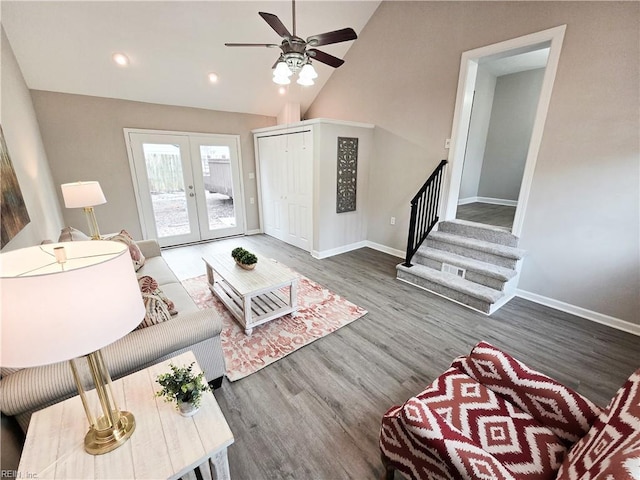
[
  {"x": 53, "y": 312},
  {"x": 82, "y": 194}
]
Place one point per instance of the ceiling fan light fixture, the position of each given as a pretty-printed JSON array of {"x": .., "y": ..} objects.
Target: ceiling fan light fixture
[
  {"x": 308, "y": 72},
  {"x": 305, "y": 81},
  {"x": 281, "y": 80},
  {"x": 282, "y": 70}
]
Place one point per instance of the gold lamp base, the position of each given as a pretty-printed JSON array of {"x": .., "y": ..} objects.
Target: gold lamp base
[
  {"x": 111, "y": 429},
  {"x": 104, "y": 439}
]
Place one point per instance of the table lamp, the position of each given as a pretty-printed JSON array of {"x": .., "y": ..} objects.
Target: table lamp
[
  {"x": 62, "y": 301},
  {"x": 84, "y": 195}
]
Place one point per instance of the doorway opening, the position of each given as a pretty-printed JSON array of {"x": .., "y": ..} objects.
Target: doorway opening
[{"x": 503, "y": 96}]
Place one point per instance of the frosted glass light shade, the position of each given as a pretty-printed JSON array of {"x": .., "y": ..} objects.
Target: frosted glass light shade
[
  {"x": 304, "y": 81},
  {"x": 308, "y": 72},
  {"x": 82, "y": 194},
  {"x": 281, "y": 80},
  {"x": 53, "y": 311},
  {"x": 282, "y": 70}
]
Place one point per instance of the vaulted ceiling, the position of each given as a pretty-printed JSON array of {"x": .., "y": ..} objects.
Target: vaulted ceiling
[{"x": 172, "y": 47}]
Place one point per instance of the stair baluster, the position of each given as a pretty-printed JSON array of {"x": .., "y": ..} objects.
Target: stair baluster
[{"x": 424, "y": 212}]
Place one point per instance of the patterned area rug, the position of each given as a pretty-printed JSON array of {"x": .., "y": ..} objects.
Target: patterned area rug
[{"x": 320, "y": 312}]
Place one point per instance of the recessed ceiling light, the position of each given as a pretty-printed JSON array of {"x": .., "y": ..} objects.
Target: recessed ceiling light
[
  {"x": 121, "y": 59},
  {"x": 213, "y": 77},
  {"x": 282, "y": 90}
]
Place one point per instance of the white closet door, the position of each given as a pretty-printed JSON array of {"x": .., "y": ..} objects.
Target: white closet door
[
  {"x": 271, "y": 183},
  {"x": 299, "y": 186},
  {"x": 286, "y": 176}
]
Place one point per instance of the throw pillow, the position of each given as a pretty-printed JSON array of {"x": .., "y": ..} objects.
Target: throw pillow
[
  {"x": 156, "y": 311},
  {"x": 70, "y": 234},
  {"x": 134, "y": 250},
  {"x": 611, "y": 449},
  {"x": 150, "y": 285}
]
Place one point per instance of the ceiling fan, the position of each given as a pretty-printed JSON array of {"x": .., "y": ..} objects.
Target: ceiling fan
[{"x": 296, "y": 52}]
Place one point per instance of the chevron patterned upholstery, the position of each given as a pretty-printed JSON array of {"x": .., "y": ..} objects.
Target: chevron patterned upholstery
[
  {"x": 490, "y": 417},
  {"x": 611, "y": 449},
  {"x": 564, "y": 411}
]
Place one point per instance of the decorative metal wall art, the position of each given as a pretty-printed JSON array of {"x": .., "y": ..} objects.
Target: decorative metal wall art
[
  {"x": 13, "y": 212},
  {"x": 347, "y": 174}
]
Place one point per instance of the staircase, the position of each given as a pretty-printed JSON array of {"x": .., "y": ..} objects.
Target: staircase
[{"x": 470, "y": 263}]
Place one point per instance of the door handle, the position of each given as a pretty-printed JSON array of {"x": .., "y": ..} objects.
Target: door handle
[{"x": 192, "y": 194}]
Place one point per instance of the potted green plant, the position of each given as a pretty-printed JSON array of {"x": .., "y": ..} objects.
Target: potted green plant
[
  {"x": 182, "y": 386},
  {"x": 244, "y": 258}
]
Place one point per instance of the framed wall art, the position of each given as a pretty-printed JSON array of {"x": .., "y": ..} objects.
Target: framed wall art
[
  {"x": 347, "y": 174},
  {"x": 13, "y": 215}
]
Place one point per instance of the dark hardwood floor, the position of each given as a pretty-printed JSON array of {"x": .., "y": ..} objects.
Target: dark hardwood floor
[
  {"x": 316, "y": 413},
  {"x": 489, "y": 214}
]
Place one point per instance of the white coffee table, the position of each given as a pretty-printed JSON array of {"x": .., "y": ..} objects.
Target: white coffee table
[
  {"x": 253, "y": 296},
  {"x": 163, "y": 445}
]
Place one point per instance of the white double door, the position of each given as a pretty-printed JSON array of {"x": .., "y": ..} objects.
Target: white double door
[
  {"x": 188, "y": 186},
  {"x": 286, "y": 187}
]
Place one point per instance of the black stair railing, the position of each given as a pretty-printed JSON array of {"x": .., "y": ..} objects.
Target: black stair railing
[{"x": 424, "y": 212}]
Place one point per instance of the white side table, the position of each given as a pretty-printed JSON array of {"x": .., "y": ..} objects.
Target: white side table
[{"x": 163, "y": 445}]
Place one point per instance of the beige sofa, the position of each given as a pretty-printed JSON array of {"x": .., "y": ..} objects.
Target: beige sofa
[{"x": 25, "y": 391}]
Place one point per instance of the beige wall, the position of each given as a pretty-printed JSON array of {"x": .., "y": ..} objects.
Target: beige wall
[
  {"x": 28, "y": 156},
  {"x": 515, "y": 102},
  {"x": 582, "y": 227},
  {"x": 84, "y": 140}
]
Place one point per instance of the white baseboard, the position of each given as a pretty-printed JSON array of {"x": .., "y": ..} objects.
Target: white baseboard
[
  {"x": 581, "y": 312},
  {"x": 384, "y": 249},
  {"x": 257, "y": 231},
  {"x": 355, "y": 246},
  {"x": 466, "y": 201},
  {"x": 338, "y": 250},
  {"x": 489, "y": 200}
]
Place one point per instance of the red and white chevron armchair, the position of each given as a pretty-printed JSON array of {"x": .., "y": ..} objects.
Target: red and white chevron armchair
[{"x": 490, "y": 417}]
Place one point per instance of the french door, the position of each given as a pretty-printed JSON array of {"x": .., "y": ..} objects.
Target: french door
[{"x": 188, "y": 186}]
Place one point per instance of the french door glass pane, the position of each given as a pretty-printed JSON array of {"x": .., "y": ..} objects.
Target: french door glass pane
[
  {"x": 166, "y": 186},
  {"x": 218, "y": 184}
]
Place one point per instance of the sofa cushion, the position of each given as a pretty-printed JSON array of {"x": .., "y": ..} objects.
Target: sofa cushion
[
  {"x": 611, "y": 449},
  {"x": 567, "y": 413},
  {"x": 183, "y": 302},
  {"x": 136, "y": 255},
  {"x": 157, "y": 268},
  {"x": 513, "y": 437}
]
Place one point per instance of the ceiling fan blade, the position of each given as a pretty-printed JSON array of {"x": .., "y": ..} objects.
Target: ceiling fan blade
[
  {"x": 275, "y": 23},
  {"x": 328, "y": 38},
  {"x": 323, "y": 57},
  {"x": 268, "y": 45}
]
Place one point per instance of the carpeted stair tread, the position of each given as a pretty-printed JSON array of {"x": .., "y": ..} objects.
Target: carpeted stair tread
[
  {"x": 481, "y": 245},
  {"x": 472, "y": 289},
  {"x": 480, "y": 231},
  {"x": 488, "y": 269}
]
